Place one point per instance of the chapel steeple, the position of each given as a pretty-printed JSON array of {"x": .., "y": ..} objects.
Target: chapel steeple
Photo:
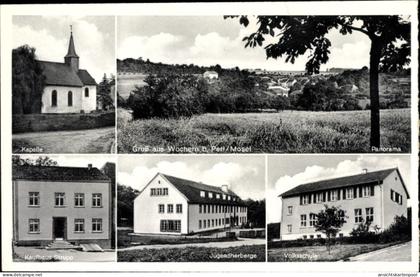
[{"x": 71, "y": 59}]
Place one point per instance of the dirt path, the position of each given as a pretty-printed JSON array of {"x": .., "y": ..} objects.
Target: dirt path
[
  {"x": 100, "y": 140},
  {"x": 224, "y": 244}
]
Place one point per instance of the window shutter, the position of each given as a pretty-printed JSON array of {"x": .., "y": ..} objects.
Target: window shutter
[
  {"x": 329, "y": 195},
  {"x": 338, "y": 194},
  {"x": 324, "y": 196},
  {"x": 372, "y": 190},
  {"x": 344, "y": 194},
  {"x": 360, "y": 191},
  {"x": 355, "y": 192},
  {"x": 310, "y": 198}
]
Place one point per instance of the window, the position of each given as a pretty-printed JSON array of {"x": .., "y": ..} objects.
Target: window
[
  {"x": 358, "y": 215},
  {"x": 224, "y": 196},
  {"x": 179, "y": 208},
  {"x": 311, "y": 236},
  {"x": 212, "y": 223},
  {"x": 173, "y": 226},
  {"x": 170, "y": 208},
  {"x": 304, "y": 199},
  {"x": 289, "y": 228},
  {"x": 396, "y": 197},
  {"x": 318, "y": 236},
  {"x": 161, "y": 208},
  {"x": 366, "y": 191},
  {"x": 228, "y": 197},
  {"x": 79, "y": 225},
  {"x": 202, "y": 193},
  {"x": 86, "y": 92},
  {"x": 200, "y": 208},
  {"x": 152, "y": 192},
  {"x": 199, "y": 224},
  {"x": 289, "y": 210},
  {"x": 54, "y": 98},
  {"x": 312, "y": 220},
  {"x": 369, "y": 214},
  {"x": 34, "y": 199},
  {"x": 205, "y": 208},
  {"x": 79, "y": 199},
  {"x": 165, "y": 191},
  {"x": 59, "y": 199},
  {"x": 305, "y": 237},
  {"x": 208, "y": 223},
  {"x": 97, "y": 225},
  {"x": 341, "y": 235},
  {"x": 303, "y": 220},
  {"x": 70, "y": 99},
  {"x": 212, "y": 209},
  {"x": 349, "y": 193},
  {"x": 33, "y": 225},
  {"x": 319, "y": 197},
  {"x": 334, "y": 195},
  {"x": 217, "y": 196},
  {"x": 210, "y": 194},
  {"x": 204, "y": 223},
  {"x": 97, "y": 200}
]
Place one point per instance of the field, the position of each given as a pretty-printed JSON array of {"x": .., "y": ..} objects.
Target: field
[
  {"x": 254, "y": 253},
  {"x": 288, "y": 131},
  {"x": 320, "y": 253},
  {"x": 126, "y": 240}
]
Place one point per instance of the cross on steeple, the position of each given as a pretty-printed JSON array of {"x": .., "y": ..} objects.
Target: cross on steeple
[{"x": 71, "y": 29}]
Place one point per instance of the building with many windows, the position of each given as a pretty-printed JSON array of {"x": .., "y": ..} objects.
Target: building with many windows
[
  {"x": 53, "y": 203},
  {"x": 376, "y": 197},
  {"x": 171, "y": 205}
]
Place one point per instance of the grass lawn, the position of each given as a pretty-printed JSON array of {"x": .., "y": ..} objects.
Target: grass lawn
[
  {"x": 254, "y": 253},
  {"x": 125, "y": 240},
  {"x": 288, "y": 131},
  {"x": 320, "y": 253}
]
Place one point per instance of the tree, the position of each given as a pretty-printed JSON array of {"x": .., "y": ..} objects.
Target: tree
[
  {"x": 294, "y": 35},
  {"x": 28, "y": 81},
  {"x": 104, "y": 98},
  {"x": 40, "y": 161},
  {"x": 125, "y": 203},
  {"x": 329, "y": 221}
]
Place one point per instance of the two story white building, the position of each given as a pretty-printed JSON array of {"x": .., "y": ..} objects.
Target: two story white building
[
  {"x": 171, "y": 205},
  {"x": 53, "y": 203},
  {"x": 376, "y": 197}
]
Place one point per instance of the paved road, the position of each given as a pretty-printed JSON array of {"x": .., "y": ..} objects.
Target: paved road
[
  {"x": 100, "y": 140},
  {"x": 396, "y": 253},
  {"x": 224, "y": 244}
]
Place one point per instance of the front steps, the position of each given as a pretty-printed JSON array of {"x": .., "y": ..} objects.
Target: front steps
[{"x": 61, "y": 244}]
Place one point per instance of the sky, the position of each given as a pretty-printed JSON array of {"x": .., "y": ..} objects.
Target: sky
[
  {"x": 210, "y": 40},
  {"x": 245, "y": 174},
  {"x": 288, "y": 171},
  {"x": 76, "y": 160},
  {"x": 94, "y": 39}
]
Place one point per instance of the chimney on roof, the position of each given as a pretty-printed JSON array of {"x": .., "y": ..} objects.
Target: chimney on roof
[
  {"x": 89, "y": 166},
  {"x": 365, "y": 170},
  {"x": 225, "y": 188}
]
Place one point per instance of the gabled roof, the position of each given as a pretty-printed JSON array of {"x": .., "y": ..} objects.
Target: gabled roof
[
  {"x": 57, "y": 173},
  {"x": 60, "y": 74},
  {"x": 86, "y": 78},
  {"x": 191, "y": 190},
  {"x": 364, "y": 178}
]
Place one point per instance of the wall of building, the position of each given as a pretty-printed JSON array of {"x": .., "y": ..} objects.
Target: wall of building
[
  {"x": 47, "y": 210},
  {"x": 392, "y": 209},
  {"x": 194, "y": 216},
  {"x": 347, "y": 205},
  {"x": 89, "y": 103},
  {"x": 62, "y": 103},
  {"x": 146, "y": 208}
]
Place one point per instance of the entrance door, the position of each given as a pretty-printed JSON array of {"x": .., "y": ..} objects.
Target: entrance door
[{"x": 59, "y": 228}]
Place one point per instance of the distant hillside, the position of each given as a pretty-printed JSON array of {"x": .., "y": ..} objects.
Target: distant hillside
[{"x": 139, "y": 65}]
